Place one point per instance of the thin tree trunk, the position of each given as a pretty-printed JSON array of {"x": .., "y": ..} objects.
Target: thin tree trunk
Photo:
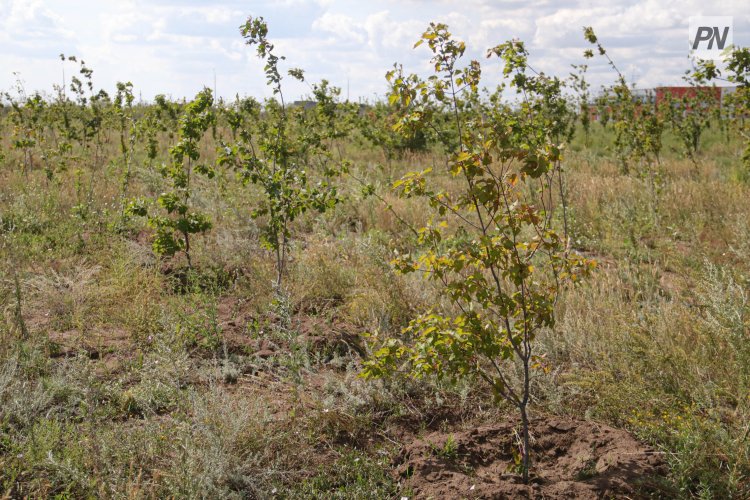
[
  {"x": 525, "y": 452},
  {"x": 20, "y": 323},
  {"x": 187, "y": 249}
]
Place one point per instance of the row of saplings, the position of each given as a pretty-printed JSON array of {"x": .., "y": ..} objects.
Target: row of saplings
[{"x": 503, "y": 263}]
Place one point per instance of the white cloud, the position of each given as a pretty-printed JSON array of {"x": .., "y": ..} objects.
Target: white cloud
[
  {"x": 340, "y": 26},
  {"x": 29, "y": 22}
]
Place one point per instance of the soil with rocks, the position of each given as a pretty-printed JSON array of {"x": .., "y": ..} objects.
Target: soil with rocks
[{"x": 570, "y": 459}]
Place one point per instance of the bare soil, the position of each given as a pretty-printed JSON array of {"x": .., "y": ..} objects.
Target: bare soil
[{"x": 571, "y": 459}]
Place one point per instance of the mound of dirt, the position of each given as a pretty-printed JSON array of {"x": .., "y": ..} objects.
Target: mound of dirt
[{"x": 570, "y": 459}]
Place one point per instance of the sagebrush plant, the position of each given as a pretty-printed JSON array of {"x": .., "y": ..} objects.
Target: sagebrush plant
[
  {"x": 274, "y": 159},
  {"x": 182, "y": 219},
  {"x": 504, "y": 265}
]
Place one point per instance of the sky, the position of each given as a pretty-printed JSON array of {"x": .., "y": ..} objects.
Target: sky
[{"x": 177, "y": 47}]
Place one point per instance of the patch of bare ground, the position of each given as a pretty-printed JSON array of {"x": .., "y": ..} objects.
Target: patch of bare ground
[
  {"x": 97, "y": 343},
  {"x": 571, "y": 459},
  {"x": 329, "y": 336}
]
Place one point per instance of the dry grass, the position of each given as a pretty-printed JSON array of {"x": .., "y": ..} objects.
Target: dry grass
[{"x": 150, "y": 400}]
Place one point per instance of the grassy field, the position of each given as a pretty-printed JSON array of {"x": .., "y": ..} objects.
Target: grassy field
[{"x": 126, "y": 374}]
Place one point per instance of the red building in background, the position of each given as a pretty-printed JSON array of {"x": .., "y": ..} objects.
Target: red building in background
[
  {"x": 655, "y": 97},
  {"x": 689, "y": 92}
]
